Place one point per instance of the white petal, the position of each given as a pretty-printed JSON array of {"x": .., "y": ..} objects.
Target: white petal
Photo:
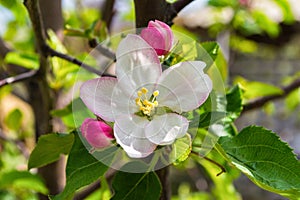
[
  {"x": 184, "y": 86},
  {"x": 164, "y": 129},
  {"x": 129, "y": 132},
  {"x": 137, "y": 62},
  {"x": 123, "y": 101},
  {"x": 97, "y": 94}
]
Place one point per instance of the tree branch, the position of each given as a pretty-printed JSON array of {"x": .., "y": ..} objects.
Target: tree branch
[
  {"x": 51, "y": 52},
  {"x": 257, "y": 103},
  {"x": 104, "y": 51},
  {"x": 160, "y": 9},
  {"x": 18, "y": 78},
  {"x": 108, "y": 12},
  {"x": 37, "y": 25}
]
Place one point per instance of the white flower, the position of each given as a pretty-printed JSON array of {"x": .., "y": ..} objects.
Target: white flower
[{"x": 143, "y": 102}]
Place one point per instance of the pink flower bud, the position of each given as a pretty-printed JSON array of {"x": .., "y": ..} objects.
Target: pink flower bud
[
  {"x": 97, "y": 133},
  {"x": 158, "y": 35}
]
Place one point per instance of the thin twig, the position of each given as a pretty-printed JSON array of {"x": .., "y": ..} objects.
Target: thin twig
[
  {"x": 75, "y": 61},
  {"x": 257, "y": 103},
  {"x": 18, "y": 78},
  {"x": 223, "y": 170},
  {"x": 104, "y": 51}
]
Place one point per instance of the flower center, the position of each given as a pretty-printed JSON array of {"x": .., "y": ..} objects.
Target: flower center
[{"x": 146, "y": 105}]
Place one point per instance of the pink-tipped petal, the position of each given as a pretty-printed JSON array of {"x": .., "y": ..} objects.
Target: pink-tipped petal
[
  {"x": 158, "y": 35},
  {"x": 97, "y": 96},
  {"x": 184, "y": 86},
  {"x": 164, "y": 129},
  {"x": 168, "y": 32},
  {"x": 97, "y": 133}
]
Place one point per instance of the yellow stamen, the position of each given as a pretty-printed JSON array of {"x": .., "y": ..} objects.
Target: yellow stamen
[
  {"x": 146, "y": 106},
  {"x": 155, "y": 93},
  {"x": 139, "y": 93},
  {"x": 144, "y": 90}
]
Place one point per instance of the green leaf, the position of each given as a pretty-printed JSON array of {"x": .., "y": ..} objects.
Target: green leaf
[
  {"x": 73, "y": 114},
  {"x": 14, "y": 119},
  {"x": 181, "y": 149},
  {"x": 254, "y": 89},
  {"x": 135, "y": 186},
  {"x": 22, "y": 180},
  {"x": 49, "y": 148},
  {"x": 23, "y": 59},
  {"x": 222, "y": 3},
  {"x": 216, "y": 65},
  {"x": 234, "y": 104},
  {"x": 82, "y": 169},
  {"x": 287, "y": 11},
  {"x": 265, "y": 159},
  {"x": 265, "y": 23},
  {"x": 293, "y": 100}
]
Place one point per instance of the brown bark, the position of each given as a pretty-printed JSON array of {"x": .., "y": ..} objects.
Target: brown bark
[
  {"x": 166, "y": 188},
  {"x": 41, "y": 97},
  {"x": 108, "y": 12},
  {"x": 146, "y": 10},
  {"x": 51, "y": 12}
]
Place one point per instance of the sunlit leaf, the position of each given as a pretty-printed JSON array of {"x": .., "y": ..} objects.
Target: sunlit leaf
[
  {"x": 265, "y": 23},
  {"x": 254, "y": 89},
  {"x": 286, "y": 9},
  {"x": 222, "y": 3},
  {"x": 181, "y": 149},
  {"x": 49, "y": 148},
  {"x": 265, "y": 159},
  {"x": 22, "y": 59},
  {"x": 22, "y": 180},
  {"x": 14, "y": 119}
]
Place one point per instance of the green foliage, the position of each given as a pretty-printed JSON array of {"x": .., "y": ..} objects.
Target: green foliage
[
  {"x": 184, "y": 192},
  {"x": 181, "y": 149},
  {"x": 14, "y": 119},
  {"x": 82, "y": 169},
  {"x": 286, "y": 9},
  {"x": 73, "y": 114},
  {"x": 265, "y": 159},
  {"x": 234, "y": 104},
  {"x": 265, "y": 23},
  {"x": 23, "y": 183},
  {"x": 135, "y": 186},
  {"x": 49, "y": 148},
  {"x": 254, "y": 89},
  {"x": 223, "y": 184},
  {"x": 24, "y": 59},
  {"x": 292, "y": 101},
  {"x": 222, "y": 3}
]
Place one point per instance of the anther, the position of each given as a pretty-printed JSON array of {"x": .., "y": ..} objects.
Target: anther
[
  {"x": 155, "y": 93},
  {"x": 144, "y": 90}
]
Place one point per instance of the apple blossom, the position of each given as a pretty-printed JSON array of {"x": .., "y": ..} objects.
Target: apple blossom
[
  {"x": 159, "y": 36},
  {"x": 143, "y": 102},
  {"x": 97, "y": 133}
]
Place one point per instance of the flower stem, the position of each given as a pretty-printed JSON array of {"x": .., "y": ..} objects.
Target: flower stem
[{"x": 223, "y": 170}]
